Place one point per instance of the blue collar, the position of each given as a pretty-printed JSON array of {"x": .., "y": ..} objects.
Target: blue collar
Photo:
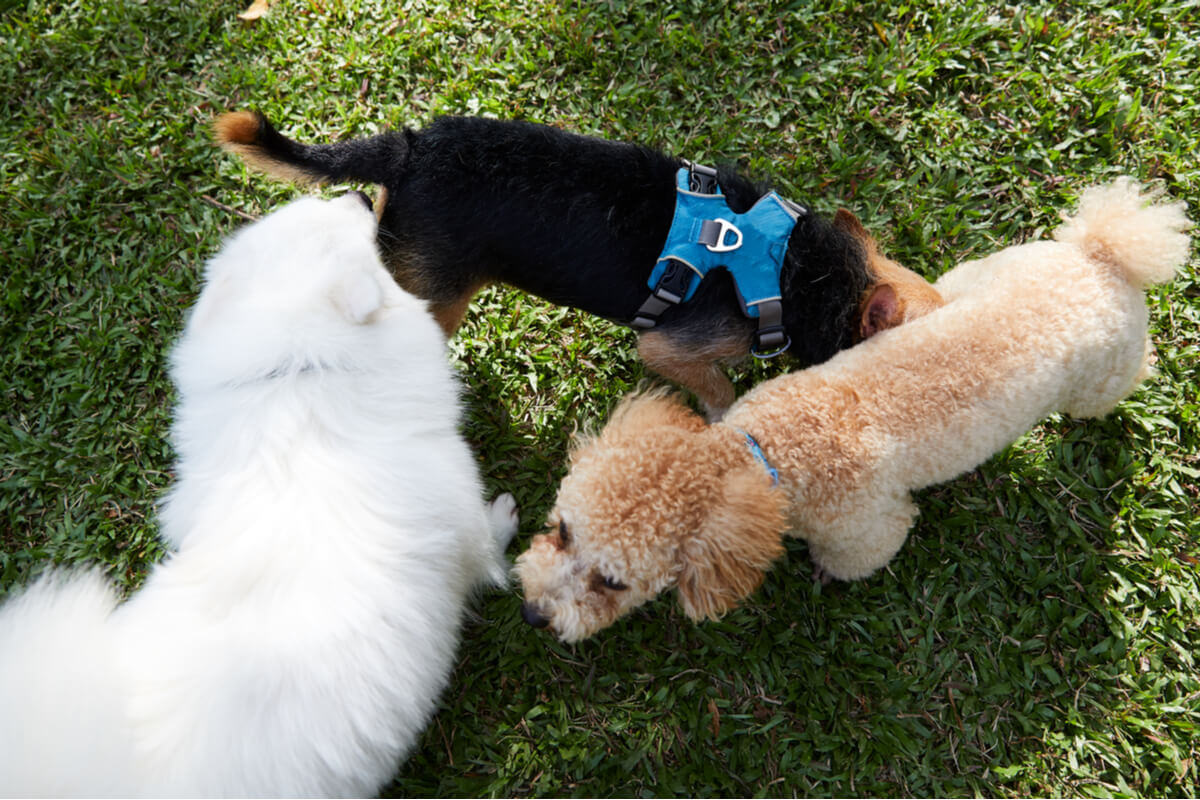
[{"x": 757, "y": 452}]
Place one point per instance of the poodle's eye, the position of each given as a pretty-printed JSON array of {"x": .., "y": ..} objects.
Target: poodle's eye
[
  {"x": 564, "y": 536},
  {"x": 613, "y": 583}
]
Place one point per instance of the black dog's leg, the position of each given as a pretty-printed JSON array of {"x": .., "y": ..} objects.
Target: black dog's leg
[{"x": 695, "y": 365}]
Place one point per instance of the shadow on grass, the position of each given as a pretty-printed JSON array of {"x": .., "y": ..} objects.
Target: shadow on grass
[{"x": 997, "y": 627}]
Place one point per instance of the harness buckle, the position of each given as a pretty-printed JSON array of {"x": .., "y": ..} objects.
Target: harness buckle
[
  {"x": 670, "y": 290},
  {"x": 701, "y": 179},
  {"x": 712, "y": 235},
  {"x": 771, "y": 338},
  {"x": 674, "y": 283}
]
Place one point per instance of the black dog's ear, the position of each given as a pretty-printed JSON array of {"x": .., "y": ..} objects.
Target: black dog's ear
[
  {"x": 881, "y": 311},
  {"x": 897, "y": 295},
  {"x": 882, "y": 308},
  {"x": 845, "y": 220}
]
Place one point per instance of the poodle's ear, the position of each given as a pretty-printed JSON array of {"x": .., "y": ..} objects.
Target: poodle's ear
[
  {"x": 648, "y": 411},
  {"x": 740, "y": 538},
  {"x": 358, "y": 295}
]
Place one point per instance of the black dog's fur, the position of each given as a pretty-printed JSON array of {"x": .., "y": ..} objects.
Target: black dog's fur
[{"x": 580, "y": 222}]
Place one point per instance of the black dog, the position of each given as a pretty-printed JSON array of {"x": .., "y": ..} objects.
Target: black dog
[{"x": 580, "y": 222}]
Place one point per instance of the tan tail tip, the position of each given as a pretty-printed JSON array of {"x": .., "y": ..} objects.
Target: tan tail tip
[{"x": 237, "y": 127}]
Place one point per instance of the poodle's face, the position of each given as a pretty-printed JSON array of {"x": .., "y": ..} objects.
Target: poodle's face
[
  {"x": 611, "y": 546},
  {"x": 646, "y": 506}
]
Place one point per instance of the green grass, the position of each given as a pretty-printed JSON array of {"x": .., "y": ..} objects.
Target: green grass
[{"x": 1036, "y": 634}]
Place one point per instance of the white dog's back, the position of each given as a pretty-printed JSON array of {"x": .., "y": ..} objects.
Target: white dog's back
[{"x": 329, "y": 526}]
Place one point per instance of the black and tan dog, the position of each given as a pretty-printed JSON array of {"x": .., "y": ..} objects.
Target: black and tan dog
[{"x": 580, "y": 222}]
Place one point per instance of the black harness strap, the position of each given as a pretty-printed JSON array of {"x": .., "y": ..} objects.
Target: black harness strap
[
  {"x": 672, "y": 287},
  {"x": 670, "y": 291},
  {"x": 771, "y": 338}
]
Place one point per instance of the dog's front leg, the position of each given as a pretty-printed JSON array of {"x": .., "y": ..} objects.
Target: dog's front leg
[{"x": 695, "y": 369}]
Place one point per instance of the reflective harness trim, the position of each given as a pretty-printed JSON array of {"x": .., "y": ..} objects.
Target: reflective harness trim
[{"x": 706, "y": 234}]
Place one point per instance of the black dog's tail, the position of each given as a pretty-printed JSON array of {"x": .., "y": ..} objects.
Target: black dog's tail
[{"x": 371, "y": 160}]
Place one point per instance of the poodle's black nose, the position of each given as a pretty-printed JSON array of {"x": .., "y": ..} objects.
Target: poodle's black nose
[
  {"x": 366, "y": 200},
  {"x": 530, "y": 614}
]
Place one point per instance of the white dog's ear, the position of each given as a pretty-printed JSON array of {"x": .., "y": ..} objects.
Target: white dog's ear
[
  {"x": 357, "y": 295},
  {"x": 742, "y": 535}
]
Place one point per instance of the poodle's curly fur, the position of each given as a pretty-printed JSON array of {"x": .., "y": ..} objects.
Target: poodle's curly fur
[{"x": 660, "y": 499}]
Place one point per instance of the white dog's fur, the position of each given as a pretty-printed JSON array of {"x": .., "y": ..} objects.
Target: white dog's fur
[{"x": 327, "y": 528}]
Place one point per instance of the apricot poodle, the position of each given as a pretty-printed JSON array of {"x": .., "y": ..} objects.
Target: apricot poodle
[{"x": 830, "y": 454}]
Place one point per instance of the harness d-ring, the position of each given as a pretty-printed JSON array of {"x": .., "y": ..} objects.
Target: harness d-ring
[{"x": 764, "y": 356}]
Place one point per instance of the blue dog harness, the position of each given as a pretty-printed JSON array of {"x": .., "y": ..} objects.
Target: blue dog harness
[{"x": 706, "y": 234}]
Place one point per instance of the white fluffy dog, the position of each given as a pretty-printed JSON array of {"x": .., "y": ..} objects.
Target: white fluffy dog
[{"x": 327, "y": 527}]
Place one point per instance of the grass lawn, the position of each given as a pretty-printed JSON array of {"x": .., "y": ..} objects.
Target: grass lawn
[{"x": 1035, "y": 636}]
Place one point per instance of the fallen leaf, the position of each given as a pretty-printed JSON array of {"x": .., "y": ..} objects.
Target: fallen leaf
[
  {"x": 880, "y": 32},
  {"x": 256, "y": 10}
]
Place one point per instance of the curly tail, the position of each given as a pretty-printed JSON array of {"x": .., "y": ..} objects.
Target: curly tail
[
  {"x": 1119, "y": 223},
  {"x": 377, "y": 159}
]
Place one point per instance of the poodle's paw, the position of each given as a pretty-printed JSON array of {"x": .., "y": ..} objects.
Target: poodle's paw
[
  {"x": 821, "y": 576},
  {"x": 502, "y": 514}
]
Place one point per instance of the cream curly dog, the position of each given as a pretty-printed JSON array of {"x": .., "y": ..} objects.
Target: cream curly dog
[{"x": 661, "y": 499}]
